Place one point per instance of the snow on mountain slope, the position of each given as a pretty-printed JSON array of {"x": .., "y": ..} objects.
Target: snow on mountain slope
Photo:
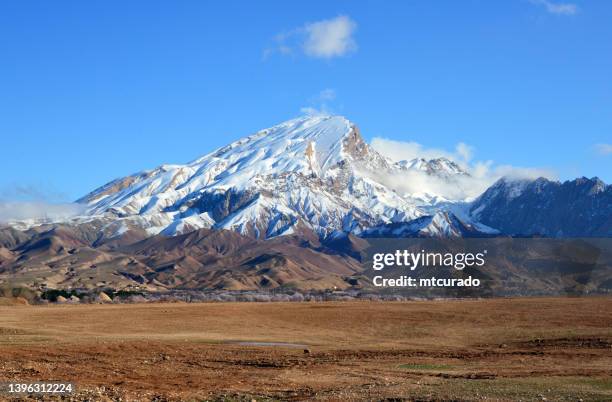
[
  {"x": 314, "y": 172},
  {"x": 574, "y": 208},
  {"x": 441, "y": 167},
  {"x": 442, "y": 223}
]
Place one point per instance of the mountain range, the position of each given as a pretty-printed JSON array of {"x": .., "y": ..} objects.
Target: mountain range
[
  {"x": 288, "y": 204},
  {"x": 317, "y": 173}
]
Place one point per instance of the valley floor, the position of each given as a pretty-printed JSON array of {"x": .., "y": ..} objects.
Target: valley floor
[{"x": 500, "y": 349}]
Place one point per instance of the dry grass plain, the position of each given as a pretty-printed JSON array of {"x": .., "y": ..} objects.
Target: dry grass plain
[{"x": 498, "y": 349}]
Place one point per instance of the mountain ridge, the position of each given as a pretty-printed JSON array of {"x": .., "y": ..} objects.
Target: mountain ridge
[
  {"x": 316, "y": 173},
  {"x": 573, "y": 208},
  {"x": 313, "y": 172}
]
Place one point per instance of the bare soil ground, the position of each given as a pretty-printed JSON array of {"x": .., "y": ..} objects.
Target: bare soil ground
[{"x": 502, "y": 349}]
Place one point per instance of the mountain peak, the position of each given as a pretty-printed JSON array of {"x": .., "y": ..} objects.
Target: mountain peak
[
  {"x": 441, "y": 166},
  {"x": 263, "y": 184},
  {"x": 307, "y": 144}
]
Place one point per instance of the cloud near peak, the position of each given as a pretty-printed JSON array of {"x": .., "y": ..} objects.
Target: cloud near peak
[
  {"x": 481, "y": 173},
  {"x": 408, "y": 150},
  {"x": 320, "y": 103}
]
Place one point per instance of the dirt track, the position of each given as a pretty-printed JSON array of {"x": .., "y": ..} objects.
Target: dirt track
[{"x": 529, "y": 349}]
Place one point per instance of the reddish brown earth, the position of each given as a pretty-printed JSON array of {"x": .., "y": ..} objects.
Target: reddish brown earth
[
  {"x": 76, "y": 258},
  {"x": 501, "y": 349}
]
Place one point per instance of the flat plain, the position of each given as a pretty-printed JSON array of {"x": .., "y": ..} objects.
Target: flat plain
[{"x": 497, "y": 349}]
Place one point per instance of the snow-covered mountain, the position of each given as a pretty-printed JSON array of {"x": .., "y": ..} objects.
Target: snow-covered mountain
[
  {"x": 441, "y": 167},
  {"x": 316, "y": 173},
  {"x": 313, "y": 172},
  {"x": 576, "y": 208}
]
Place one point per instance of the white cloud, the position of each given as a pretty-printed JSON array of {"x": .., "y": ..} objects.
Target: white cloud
[
  {"x": 37, "y": 210},
  {"x": 330, "y": 38},
  {"x": 20, "y": 202},
  {"x": 402, "y": 150},
  {"x": 603, "y": 149},
  {"x": 323, "y": 39},
  {"x": 464, "y": 151},
  {"x": 557, "y": 8},
  {"x": 481, "y": 173}
]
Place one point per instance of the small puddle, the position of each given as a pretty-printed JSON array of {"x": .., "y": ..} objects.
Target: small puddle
[{"x": 272, "y": 344}]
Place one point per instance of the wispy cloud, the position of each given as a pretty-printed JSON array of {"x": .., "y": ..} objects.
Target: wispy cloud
[
  {"x": 323, "y": 39},
  {"x": 19, "y": 202},
  {"x": 603, "y": 149},
  {"x": 327, "y": 94},
  {"x": 408, "y": 150},
  {"x": 481, "y": 173},
  {"x": 19, "y": 211},
  {"x": 320, "y": 103},
  {"x": 557, "y": 8}
]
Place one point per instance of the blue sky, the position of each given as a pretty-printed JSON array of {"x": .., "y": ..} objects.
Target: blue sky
[{"x": 91, "y": 91}]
